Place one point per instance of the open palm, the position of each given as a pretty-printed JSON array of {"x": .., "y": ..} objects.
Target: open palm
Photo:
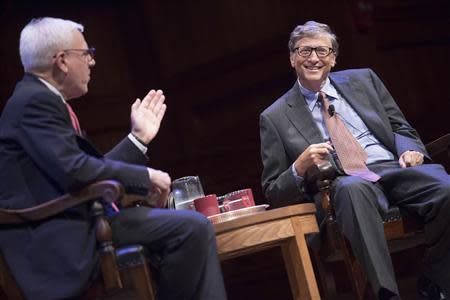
[{"x": 146, "y": 115}]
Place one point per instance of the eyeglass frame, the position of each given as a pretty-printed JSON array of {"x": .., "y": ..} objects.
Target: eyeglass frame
[
  {"x": 85, "y": 52},
  {"x": 311, "y": 49}
]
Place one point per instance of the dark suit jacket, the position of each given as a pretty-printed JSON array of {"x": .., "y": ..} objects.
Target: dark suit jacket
[
  {"x": 41, "y": 158},
  {"x": 287, "y": 129}
]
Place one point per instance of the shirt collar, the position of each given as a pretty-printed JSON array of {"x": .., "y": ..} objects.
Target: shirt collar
[
  {"x": 330, "y": 90},
  {"x": 311, "y": 96},
  {"x": 52, "y": 89}
]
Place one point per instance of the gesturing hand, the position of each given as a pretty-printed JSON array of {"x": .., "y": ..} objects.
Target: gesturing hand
[
  {"x": 146, "y": 115},
  {"x": 410, "y": 159},
  {"x": 159, "y": 192}
]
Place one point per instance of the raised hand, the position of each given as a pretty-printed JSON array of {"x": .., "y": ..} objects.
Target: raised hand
[{"x": 146, "y": 115}]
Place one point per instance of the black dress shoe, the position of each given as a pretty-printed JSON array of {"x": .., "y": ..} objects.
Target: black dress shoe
[{"x": 429, "y": 290}]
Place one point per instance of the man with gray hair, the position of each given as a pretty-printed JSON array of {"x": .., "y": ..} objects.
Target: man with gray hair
[
  {"x": 381, "y": 159},
  {"x": 43, "y": 155}
]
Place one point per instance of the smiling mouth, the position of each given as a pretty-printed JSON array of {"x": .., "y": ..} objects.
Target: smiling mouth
[{"x": 313, "y": 68}]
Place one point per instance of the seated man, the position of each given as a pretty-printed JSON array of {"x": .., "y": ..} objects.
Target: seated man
[
  {"x": 43, "y": 155},
  {"x": 351, "y": 113}
]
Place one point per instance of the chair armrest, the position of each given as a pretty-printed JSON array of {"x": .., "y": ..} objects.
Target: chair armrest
[
  {"x": 108, "y": 190},
  {"x": 439, "y": 145},
  {"x": 317, "y": 174}
]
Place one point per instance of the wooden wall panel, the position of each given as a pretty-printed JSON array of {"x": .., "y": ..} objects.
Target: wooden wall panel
[
  {"x": 413, "y": 42},
  {"x": 221, "y": 63}
]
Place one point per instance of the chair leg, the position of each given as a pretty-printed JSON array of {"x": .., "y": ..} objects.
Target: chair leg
[
  {"x": 326, "y": 282},
  {"x": 142, "y": 282}
]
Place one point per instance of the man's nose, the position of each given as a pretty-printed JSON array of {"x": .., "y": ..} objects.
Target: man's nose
[
  {"x": 313, "y": 56},
  {"x": 91, "y": 63}
]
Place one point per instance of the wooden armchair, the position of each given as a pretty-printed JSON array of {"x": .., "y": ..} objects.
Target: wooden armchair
[
  {"x": 120, "y": 268},
  {"x": 401, "y": 232}
]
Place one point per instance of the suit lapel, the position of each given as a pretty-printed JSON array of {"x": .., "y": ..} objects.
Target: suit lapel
[
  {"x": 300, "y": 116},
  {"x": 355, "y": 95}
]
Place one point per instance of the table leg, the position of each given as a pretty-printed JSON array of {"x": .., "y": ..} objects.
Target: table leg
[{"x": 298, "y": 265}]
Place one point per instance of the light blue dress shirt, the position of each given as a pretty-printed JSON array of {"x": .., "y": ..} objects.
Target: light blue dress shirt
[{"x": 376, "y": 151}]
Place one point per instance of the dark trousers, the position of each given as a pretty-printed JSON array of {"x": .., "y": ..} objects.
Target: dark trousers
[
  {"x": 423, "y": 191},
  {"x": 182, "y": 247}
]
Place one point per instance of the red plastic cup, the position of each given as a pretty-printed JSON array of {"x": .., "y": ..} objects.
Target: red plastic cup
[{"x": 207, "y": 205}]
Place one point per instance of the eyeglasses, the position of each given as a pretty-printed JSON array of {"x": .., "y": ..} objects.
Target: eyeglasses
[
  {"x": 88, "y": 53},
  {"x": 321, "y": 51}
]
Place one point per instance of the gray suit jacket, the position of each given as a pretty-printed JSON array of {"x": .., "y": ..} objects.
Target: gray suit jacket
[{"x": 287, "y": 129}]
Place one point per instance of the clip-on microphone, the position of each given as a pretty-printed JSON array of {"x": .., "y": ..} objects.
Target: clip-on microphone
[{"x": 331, "y": 110}]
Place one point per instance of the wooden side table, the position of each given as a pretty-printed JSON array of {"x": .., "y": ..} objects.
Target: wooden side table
[{"x": 285, "y": 227}]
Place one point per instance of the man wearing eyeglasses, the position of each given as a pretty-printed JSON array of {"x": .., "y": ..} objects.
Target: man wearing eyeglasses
[
  {"x": 44, "y": 155},
  {"x": 382, "y": 159}
]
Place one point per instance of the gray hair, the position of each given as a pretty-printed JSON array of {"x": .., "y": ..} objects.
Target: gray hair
[
  {"x": 312, "y": 29},
  {"x": 41, "y": 38}
]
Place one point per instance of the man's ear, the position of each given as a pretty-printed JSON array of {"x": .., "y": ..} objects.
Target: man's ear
[
  {"x": 333, "y": 63},
  {"x": 60, "y": 62},
  {"x": 292, "y": 59}
]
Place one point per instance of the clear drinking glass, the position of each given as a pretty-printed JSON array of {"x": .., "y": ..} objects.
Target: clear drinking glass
[{"x": 185, "y": 190}]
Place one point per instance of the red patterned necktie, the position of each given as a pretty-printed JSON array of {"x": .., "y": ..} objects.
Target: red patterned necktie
[
  {"x": 350, "y": 153},
  {"x": 73, "y": 117}
]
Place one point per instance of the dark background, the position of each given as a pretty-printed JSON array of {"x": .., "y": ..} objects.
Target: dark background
[{"x": 220, "y": 63}]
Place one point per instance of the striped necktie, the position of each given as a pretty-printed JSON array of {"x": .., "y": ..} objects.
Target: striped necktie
[{"x": 350, "y": 153}]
